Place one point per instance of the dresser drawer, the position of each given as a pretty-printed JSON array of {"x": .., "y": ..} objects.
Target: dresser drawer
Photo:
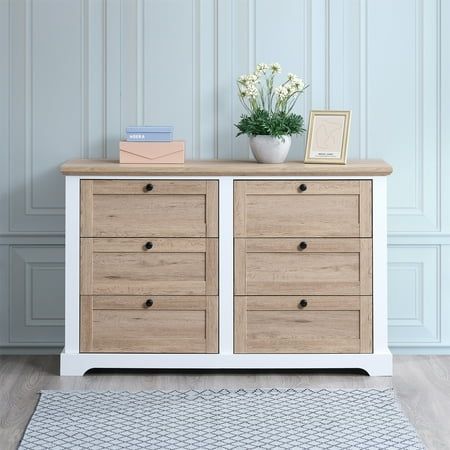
[
  {"x": 155, "y": 324},
  {"x": 303, "y": 208},
  {"x": 134, "y": 208},
  {"x": 307, "y": 266},
  {"x": 149, "y": 266},
  {"x": 303, "y": 324}
]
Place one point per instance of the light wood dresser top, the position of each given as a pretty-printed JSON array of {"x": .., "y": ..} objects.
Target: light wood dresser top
[{"x": 223, "y": 168}]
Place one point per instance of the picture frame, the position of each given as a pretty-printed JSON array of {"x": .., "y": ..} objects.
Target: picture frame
[{"x": 327, "y": 138}]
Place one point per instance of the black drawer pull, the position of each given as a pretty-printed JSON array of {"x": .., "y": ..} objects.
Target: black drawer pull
[
  {"x": 303, "y": 303},
  {"x": 302, "y": 187},
  {"x": 302, "y": 245},
  {"x": 148, "y": 245},
  {"x": 148, "y": 303},
  {"x": 148, "y": 187}
]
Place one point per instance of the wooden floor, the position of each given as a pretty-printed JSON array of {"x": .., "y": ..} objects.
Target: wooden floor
[{"x": 422, "y": 384}]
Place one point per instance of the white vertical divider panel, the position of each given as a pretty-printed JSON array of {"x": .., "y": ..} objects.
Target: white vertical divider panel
[
  {"x": 226, "y": 266},
  {"x": 72, "y": 270},
  {"x": 379, "y": 276}
]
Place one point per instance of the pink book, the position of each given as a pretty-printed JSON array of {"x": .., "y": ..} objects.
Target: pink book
[{"x": 152, "y": 152}]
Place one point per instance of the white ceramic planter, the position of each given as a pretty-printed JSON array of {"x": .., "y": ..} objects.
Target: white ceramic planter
[{"x": 270, "y": 149}]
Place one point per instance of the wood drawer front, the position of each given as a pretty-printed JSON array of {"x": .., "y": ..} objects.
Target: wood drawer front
[
  {"x": 282, "y": 209},
  {"x": 281, "y": 267},
  {"x": 123, "y": 208},
  {"x": 327, "y": 324},
  {"x": 173, "y": 266},
  {"x": 124, "y": 324}
]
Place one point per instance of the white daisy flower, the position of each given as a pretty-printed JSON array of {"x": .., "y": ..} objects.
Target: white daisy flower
[
  {"x": 275, "y": 67},
  {"x": 252, "y": 92},
  {"x": 300, "y": 84},
  {"x": 292, "y": 89},
  {"x": 282, "y": 92},
  {"x": 262, "y": 67}
]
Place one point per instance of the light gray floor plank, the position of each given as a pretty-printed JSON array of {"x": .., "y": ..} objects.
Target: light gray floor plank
[{"x": 422, "y": 384}]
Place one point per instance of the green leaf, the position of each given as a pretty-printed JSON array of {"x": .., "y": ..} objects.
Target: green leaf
[{"x": 262, "y": 122}]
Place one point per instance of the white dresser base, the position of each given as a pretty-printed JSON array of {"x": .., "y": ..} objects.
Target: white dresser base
[
  {"x": 378, "y": 363},
  {"x": 79, "y": 363}
]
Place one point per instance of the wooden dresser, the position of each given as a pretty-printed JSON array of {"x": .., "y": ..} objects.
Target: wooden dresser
[{"x": 226, "y": 264}]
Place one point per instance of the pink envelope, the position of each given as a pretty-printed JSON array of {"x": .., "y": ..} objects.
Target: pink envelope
[{"x": 151, "y": 152}]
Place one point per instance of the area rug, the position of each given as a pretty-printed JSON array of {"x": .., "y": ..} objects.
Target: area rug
[{"x": 240, "y": 419}]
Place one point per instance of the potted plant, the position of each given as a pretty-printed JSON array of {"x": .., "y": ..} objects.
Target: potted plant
[{"x": 269, "y": 121}]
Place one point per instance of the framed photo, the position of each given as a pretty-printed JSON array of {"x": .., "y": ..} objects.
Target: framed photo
[{"x": 327, "y": 139}]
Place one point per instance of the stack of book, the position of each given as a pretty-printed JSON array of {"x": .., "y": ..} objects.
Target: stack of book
[{"x": 151, "y": 145}]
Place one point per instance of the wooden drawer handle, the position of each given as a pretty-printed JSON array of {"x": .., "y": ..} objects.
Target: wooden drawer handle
[
  {"x": 148, "y": 245},
  {"x": 148, "y": 187},
  {"x": 302, "y": 303},
  {"x": 148, "y": 303},
  {"x": 302, "y": 245},
  {"x": 302, "y": 187}
]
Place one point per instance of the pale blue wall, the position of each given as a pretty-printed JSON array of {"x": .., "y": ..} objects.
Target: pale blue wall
[{"x": 74, "y": 73}]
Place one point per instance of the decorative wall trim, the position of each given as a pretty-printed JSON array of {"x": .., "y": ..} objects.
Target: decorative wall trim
[
  {"x": 24, "y": 327},
  {"x": 416, "y": 318},
  {"x": 334, "y": 46},
  {"x": 32, "y": 319},
  {"x": 31, "y": 208},
  {"x": 363, "y": 82},
  {"x": 423, "y": 213},
  {"x": 420, "y": 323}
]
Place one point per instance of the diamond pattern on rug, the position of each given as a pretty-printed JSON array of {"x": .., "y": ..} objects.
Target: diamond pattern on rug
[{"x": 241, "y": 419}]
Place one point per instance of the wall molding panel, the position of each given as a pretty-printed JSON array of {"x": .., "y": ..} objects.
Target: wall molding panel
[
  {"x": 414, "y": 275},
  {"x": 413, "y": 82},
  {"x": 36, "y": 280},
  {"x": 74, "y": 73}
]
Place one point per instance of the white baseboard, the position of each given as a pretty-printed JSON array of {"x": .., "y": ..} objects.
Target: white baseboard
[
  {"x": 35, "y": 350},
  {"x": 420, "y": 350}
]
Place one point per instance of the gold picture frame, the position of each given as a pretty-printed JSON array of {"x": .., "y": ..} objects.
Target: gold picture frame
[{"x": 327, "y": 139}]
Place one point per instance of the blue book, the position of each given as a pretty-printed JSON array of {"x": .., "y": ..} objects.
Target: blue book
[{"x": 149, "y": 134}]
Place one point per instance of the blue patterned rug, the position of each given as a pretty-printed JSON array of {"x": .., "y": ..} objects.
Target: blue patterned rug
[{"x": 241, "y": 419}]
